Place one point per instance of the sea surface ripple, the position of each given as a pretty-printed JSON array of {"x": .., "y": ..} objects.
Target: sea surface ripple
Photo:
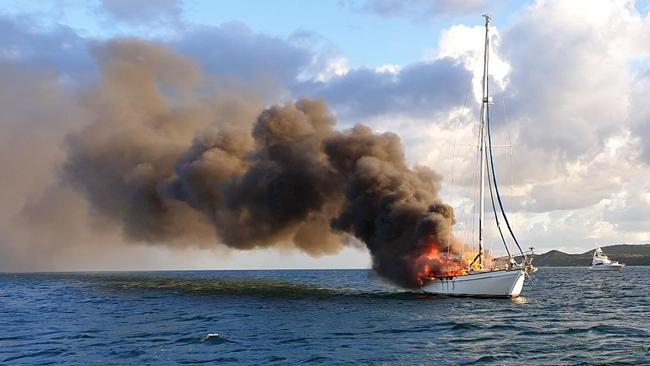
[{"x": 568, "y": 316}]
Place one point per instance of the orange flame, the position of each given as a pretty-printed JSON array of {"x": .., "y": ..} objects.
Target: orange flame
[{"x": 438, "y": 263}]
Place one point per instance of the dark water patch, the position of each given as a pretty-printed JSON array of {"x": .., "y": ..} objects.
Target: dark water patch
[
  {"x": 318, "y": 360},
  {"x": 344, "y": 334},
  {"x": 74, "y": 337},
  {"x": 607, "y": 329},
  {"x": 129, "y": 353},
  {"x": 260, "y": 288},
  {"x": 410, "y": 330},
  {"x": 217, "y": 360},
  {"x": 293, "y": 341},
  {"x": 464, "y": 326},
  {"x": 214, "y": 338},
  {"x": 276, "y": 359},
  {"x": 493, "y": 359},
  {"x": 207, "y": 338},
  {"x": 44, "y": 354},
  {"x": 471, "y": 340}
]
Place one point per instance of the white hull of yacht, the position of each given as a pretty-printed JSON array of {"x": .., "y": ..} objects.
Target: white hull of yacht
[
  {"x": 499, "y": 283},
  {"x": 611, "y": 267}
]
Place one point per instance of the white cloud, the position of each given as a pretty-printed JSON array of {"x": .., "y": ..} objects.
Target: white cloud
[
  {"x": 415, "y": 90},
  {"x": 335, "y": 67},
  {"x": 388, "y": 69},
  {"x": 466, "y": 44}
]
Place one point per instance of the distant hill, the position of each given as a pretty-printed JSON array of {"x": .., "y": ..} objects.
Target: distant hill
[{"x": 631, "y": 255}]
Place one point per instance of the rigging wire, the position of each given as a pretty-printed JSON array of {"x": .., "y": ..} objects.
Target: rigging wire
[
  {"x": 496, "y": 186},
  {"x": 475, "y": 198},
  {"x": 475, "y": 184},
  {"x": 510, "y": 170},
  {"x": 453, "y": 157},
  {"x": 494, "y": 209},
  {"x": 473, "y": 233}
]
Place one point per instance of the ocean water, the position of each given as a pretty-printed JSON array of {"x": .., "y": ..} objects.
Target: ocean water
[{"x": 567, "y": 316}]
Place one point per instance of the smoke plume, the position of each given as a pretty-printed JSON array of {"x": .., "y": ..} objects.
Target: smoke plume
[{"x": 170, "y": 156}]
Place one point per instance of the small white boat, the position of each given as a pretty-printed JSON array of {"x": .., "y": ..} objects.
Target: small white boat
[
  {"x": 600, "y": 262},
  {"x": 458, "y": 278}
]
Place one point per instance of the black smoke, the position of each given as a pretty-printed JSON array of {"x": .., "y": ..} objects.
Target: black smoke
[{"x": 175, "y": 162}]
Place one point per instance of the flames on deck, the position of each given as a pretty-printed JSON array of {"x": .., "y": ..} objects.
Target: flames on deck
[{"x": 438, "y": 262}]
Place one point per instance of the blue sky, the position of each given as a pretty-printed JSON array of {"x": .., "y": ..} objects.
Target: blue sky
[{"x": 364, "y": 38}]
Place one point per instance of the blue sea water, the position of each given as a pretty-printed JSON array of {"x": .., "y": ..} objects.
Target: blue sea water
[{"x": 567, "y": 316}]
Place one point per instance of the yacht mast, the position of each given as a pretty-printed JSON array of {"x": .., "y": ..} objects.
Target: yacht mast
[{"x": 484, "y": 117}]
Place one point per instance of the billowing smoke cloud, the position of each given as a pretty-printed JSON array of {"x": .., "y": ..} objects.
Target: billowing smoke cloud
[
  {"x": 173, "y": 162},
  {"x": 159, "y": 153},
  {"x": 394, "y": 210}
]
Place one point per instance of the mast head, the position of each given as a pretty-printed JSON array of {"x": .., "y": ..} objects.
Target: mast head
[{"x": 488, "y": 18}]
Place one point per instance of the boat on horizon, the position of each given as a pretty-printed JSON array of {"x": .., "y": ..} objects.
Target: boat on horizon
[
  {"x": 477, "y": 278},
  {"x": 600, "y": 262}
]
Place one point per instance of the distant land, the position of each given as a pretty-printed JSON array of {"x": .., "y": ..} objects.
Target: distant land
[{"x": 630, "y": 254}]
